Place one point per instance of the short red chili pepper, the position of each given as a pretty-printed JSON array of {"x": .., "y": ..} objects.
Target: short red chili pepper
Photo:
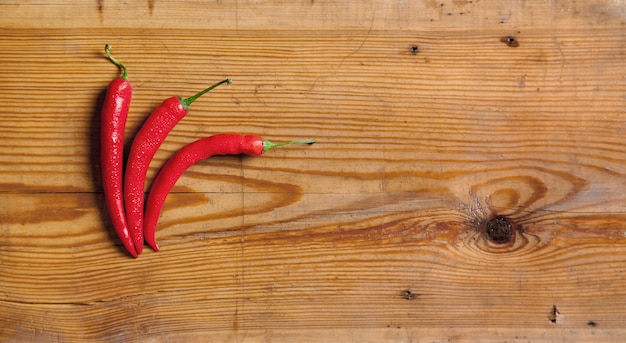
[
  {"x": 113, "y": 124},
  {"x": 152, "y": 133},
  {"x": 221, "y": 144}
]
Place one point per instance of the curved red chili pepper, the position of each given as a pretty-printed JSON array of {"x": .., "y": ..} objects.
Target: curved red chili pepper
[
  {"x": 113, "y": 124},
  {"x": 222, "y": 144},
  {"x": 152, "y": 133}
]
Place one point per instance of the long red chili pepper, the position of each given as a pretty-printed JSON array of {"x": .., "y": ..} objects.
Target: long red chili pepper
[
  {"x": 221, "y": 144},
  {"x": 152, "y": 133},
  {"x": 113, "y": 123}
]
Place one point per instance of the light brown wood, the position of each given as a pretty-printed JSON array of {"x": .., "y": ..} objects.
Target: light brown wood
[{"x": 429, "y": 124}]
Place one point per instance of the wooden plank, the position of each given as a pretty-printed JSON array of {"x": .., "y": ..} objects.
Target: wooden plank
[
  {"x": 427, "y": 130},
  {"x": 112, "y": 15}
]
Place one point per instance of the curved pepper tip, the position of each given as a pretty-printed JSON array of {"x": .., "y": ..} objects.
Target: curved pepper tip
[
  {"x": 132, "y": 253},
  {"x": 153, "y": 245}
]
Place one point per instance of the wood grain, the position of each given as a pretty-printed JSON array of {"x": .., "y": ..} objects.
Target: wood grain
[{"x": 427, "y": 129}]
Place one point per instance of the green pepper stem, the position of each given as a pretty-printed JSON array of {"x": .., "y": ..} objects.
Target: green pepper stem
[
  {"x": 188, "y": 101},
  {"x": 107, "y": 50},
  {"x": 267, "y": 145}
]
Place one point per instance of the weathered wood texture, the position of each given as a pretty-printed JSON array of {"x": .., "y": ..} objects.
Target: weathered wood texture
[{"x": 429, "y": 124}]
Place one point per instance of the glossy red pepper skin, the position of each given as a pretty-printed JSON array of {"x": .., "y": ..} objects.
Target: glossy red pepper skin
[
  {"x": 145, "y": 145},
  {"x": 113, "y": 124},
  {"x": 221, "y": 144}
]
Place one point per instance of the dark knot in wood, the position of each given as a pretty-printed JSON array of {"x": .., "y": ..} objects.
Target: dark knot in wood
[{"x": 499, "y": 230}]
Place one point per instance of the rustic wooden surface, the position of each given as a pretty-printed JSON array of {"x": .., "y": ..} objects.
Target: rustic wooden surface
[{"x": 429, "y": 124}]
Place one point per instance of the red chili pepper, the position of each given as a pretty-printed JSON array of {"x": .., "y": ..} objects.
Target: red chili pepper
[
  {"x": 222, "y": 144},
  {"x": 152, "y": 133},
  {"x": 114, "y": 114}
]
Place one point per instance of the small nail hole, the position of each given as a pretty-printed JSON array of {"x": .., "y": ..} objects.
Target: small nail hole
[
  {"x": 554, "y": 314},
  {"x": 510, "y": 41},
  {"x": 409, "y": 295}
]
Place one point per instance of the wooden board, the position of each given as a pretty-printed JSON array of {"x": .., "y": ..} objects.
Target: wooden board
[{"x": 435, "y": 120}]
